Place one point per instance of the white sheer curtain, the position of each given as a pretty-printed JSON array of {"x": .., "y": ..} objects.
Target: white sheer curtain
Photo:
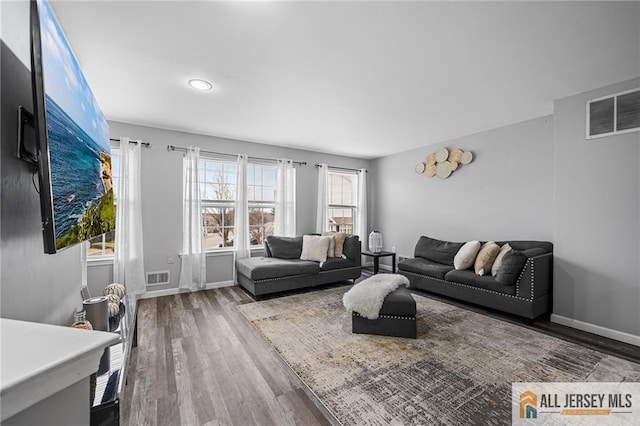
[
  {"x": 128, "y": 264},
  {"x": 193, "y": 265},
  {"x": 241, "y": 242},
  {"x": 322, "y": 214},
  {"x": 361, "y": 220},
  {"x": 285, "y": 217}
]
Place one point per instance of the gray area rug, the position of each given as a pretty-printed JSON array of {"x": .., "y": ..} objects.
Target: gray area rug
[{"x": 457, "y": 372}]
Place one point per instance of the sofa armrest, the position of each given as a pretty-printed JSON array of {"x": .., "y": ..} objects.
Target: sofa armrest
[
  {"x": 267, "y": 251},
  {"x": 536, "y": 277}
]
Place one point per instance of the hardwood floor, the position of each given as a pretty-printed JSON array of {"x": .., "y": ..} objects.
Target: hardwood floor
[{"x": 200, "y": 362}]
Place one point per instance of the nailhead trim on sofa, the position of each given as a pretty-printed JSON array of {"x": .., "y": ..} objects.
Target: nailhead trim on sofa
[
  {"x": 411, "y": 318},
  {"x": 491, "y": 291}
]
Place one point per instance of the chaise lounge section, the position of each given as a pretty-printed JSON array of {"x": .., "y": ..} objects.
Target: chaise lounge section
[
  {"x": 281, "y": 269},
  {"x": 528, "y": 296}
]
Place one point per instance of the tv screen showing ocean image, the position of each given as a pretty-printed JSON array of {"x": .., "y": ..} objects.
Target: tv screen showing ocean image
[{"x": 78, "y": 139}]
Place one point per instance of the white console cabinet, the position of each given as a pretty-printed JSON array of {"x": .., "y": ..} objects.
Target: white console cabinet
[{"x": 44, "y": 372}]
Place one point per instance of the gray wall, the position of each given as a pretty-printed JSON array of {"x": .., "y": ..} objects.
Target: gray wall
[
  {"x": 505, "y": 193},
  {"x": 596, "y": 219},
  {"x": 34, "y": 286},
  {"x": 162, "y": 196}
]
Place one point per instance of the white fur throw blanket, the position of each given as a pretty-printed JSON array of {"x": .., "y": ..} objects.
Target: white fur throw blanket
[{"x": 367, "y": 296}]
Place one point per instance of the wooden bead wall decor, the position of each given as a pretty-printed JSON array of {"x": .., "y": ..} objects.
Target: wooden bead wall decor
[
  {"x": 444, "y": 162},
  {"x": 430, "y": 170}
]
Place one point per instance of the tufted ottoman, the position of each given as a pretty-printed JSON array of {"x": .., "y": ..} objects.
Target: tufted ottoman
[{"x": 397, "y": 317}]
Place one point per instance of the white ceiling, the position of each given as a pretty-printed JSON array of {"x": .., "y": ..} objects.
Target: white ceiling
[{"x": 364, "y": 79}]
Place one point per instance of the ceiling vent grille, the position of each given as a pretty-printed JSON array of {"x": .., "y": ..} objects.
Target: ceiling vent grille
[{"x": 613, "y": 114}]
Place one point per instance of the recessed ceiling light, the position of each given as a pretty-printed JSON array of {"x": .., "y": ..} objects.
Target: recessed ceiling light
[{"x": 200, "y": 84}]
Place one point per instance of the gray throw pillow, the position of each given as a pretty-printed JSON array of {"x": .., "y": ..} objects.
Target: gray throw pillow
[
  {"x": 512, "y": 264},
  {"x": 285, "y": 247}
]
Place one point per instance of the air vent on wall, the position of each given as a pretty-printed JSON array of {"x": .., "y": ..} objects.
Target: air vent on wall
[
  {"x": 158, "y": 278},
  {"x": 613, "y": 114}
]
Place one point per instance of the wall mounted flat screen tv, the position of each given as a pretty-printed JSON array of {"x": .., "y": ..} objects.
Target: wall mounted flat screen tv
[{"x": 72, "y": 135}]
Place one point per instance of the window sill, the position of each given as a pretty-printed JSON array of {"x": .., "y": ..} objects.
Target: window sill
[
  {"x": 100, "y": 261},
  {"x": 229, "y": 251}
]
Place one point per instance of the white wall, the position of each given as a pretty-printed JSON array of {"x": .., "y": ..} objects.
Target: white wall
[
  {"x": 34, "y": 286},
  {"x": 162, "y": 196},
  {"x": 504, "y": 194},
  {"x": 596, "y": 223}
]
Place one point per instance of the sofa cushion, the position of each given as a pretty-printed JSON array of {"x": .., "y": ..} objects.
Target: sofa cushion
[
  {"x": 351, "y": 247},
  {"x": 334, "y": 263},
  {"x": 486, "y": 257},
  {"x": 526, "y": 245},
  {"x": 496, "y": 263},
  {"x": 260, "y": 268},
  {"x": 533, "y": 252},
  {"x": 314, "y": 248},
  {"x": 426, "y": 267},
  {"x": 285, "y": 247},
  {"x": 466, "y": 256},
  {"x": 438, "y": 251},
  {"x": 512, "y": 264},
  {"x": 468, "y": 277},
  {"x": 399, "y": 302}
]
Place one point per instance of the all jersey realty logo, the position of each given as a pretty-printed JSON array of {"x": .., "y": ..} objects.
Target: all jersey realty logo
[
  {"x": 581, "y": 403},
  {"x": 528, "y": 405}
]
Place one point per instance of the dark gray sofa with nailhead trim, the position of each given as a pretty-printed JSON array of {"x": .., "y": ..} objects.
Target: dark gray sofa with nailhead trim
[
  {"x": 528, "y": 296},
  {"x": 280, "y": 269}
]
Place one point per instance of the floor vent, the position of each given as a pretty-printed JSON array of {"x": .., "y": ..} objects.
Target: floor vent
[
  {"x": 403, "y": 257},
  {"x": 158, "y": 278}
]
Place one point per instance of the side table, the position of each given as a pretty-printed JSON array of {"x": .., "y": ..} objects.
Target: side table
[{"x": 376, "y": 259}]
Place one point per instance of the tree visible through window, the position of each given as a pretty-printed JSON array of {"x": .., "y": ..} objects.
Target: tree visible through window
[
  {"x": 218, "y": 186},
  {"x": 343, "y": 201},
  {"x": 218, "y": 189},
  {"x": 261, "y": 187}
]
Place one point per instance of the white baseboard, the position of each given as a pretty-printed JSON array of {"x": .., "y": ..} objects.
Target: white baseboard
[
  {"x": 596, "y": 329},
  {"x": 381, "y": 266},
  {"x": 172, "y": 291}
]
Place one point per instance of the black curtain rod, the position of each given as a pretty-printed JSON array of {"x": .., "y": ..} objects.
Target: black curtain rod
[
  {"x": 178, "y": 148},
  {"x": 343, "y": 168},
  {"x": 145, "y": 144}
]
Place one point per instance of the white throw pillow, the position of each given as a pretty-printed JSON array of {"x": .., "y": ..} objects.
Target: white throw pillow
[
  {"x": 496, "y": 263},
  {"x": 466, "y": 255},
  {"x": 315, "y": 248}
]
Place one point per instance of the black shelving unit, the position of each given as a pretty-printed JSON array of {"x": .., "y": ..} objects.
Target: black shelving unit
[{"x": 105, "y": 410}]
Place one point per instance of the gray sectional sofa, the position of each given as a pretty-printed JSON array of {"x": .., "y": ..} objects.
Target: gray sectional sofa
[
  {"x": 528, "y": 294},
  {"x": 280, "y": 269}
]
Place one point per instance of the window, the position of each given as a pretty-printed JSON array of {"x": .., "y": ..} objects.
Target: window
[
  {"x": 218, "y": 186},
  {"x": 218, "y": 191},
  {"x": 261, "y": 196},
  {"x": 343, "y": 201},
  {"x": 102, "y": 245},
  {"x": 613, "y": 115}
]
